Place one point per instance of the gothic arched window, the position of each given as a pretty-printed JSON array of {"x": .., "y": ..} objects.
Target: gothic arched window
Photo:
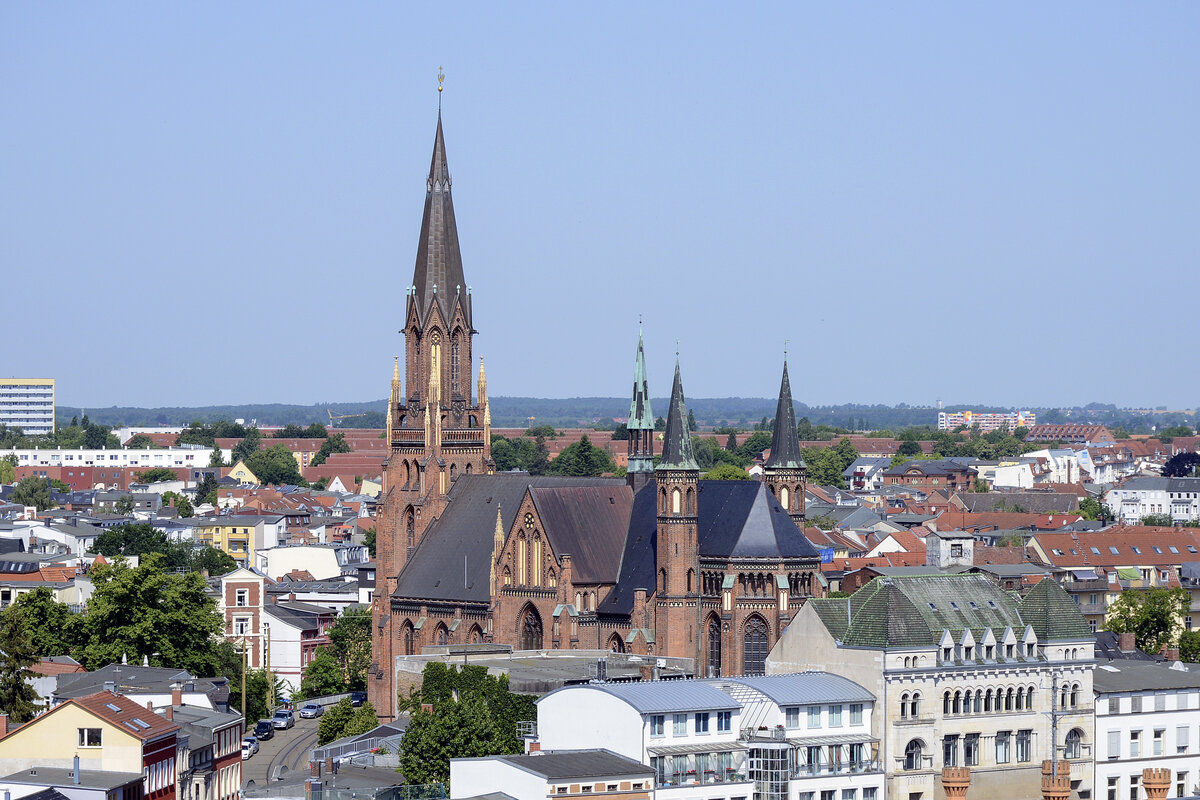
[
  {"x": 530, "y": 629},
  {"x": 756, "y": 638},
  {"x": 714, "y": 647}
]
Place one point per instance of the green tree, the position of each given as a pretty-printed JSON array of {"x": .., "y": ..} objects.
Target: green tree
[
  {"x": 206, "y": 490},
  {"x": 692, "y": 426},
  {"x": 131, "y": 539},
  {"x": 660, "y": 424},
  {"x": 145, "y": 612},
  {"x": 726, "y": 472},
  {"x": 621, "y": 433},
  {"x": 981, "y": 485},
  {"x": 454, "y": 729},
  {"x": 824, "y": 466},
  {"x": 757, "y": 443},
  {"x": 216, "y": 459},
  {"x": 1154, "y": 616},
  {"x": 822, "y": 522},
  {"x": 582, "y": 459},
  {"x": 1189, "y": 646},
  {"x": 334, "y": 444},
  {"x": 909, "y": 449},
  {"x": 731, "y": 444},
  {"x": 350, "y": 645},
  {"x": 140, "y": 441},
  {"x": 334, "y": 721},
  {"x": 364, "y": 720},
  {"x": 8, "y": 470},
  {"x": 249, "y": 444},
  {"x": 32, "y": 491},
  {"x": 212, "y": 560},
  {"x": 274, "y": 466},
  {"x": 53, "y": 628},
  {"x": 1091, "y": 508},
  {"x": 1163, "y": 520},
  {"x": 545, "y": 431},
  {"x": 322, "y": 676},
  {"x": 17, "y": 654},
  {"x": 124, "y": 505},
  {"x": 184, "y": 507}
]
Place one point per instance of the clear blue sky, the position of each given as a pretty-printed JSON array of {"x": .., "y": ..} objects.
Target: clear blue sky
[{"x": 219, "y": 202}]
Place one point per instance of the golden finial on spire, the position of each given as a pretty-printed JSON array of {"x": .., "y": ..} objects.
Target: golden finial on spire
[{"x": 441, "y": 78}]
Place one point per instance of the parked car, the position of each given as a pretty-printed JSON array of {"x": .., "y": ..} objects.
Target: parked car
[
  {"x": 283, "y": 719},
  {"x": 358, "y": 698},
  {"x": 264, "y": 730},
  {"x": 246, "y": 751},
  {"x": 310, "y": 710},
  {"x": 252, "y": 742}
]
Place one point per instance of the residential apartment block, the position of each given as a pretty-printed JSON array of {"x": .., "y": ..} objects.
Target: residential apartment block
[
  {"x": 1146, "y": 717},
  {"x": 1141, "y": 496},
  {"x": 805, "y": 735},
  {"x": 28, "y": 404},
  {"x": 948, "y": 421}
]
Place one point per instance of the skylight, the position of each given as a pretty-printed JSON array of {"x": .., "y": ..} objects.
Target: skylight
[
  {"x": 141, "y": 723},
  {"x": 1096, "y": 551},
  {"x": 931, "y": 605},
  {"x": 1173, "y": 549},
  {"x": 1114, "y": 550},
  {"x": 1158, "y": 549},
  {"x": 111, "y": 707},
  {"x": 1135, "y": 549},
  {"x": 1191, "y": 548},
  {"x": 954, "y": 605}
]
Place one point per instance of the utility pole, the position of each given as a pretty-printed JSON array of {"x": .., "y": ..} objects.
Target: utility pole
[
  {"x": 270, "y": 680},
  {"x": 243, "y": 678}
]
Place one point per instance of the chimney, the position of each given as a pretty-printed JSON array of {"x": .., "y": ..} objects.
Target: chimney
[
  {"x": 1126, "y": 642},
  {"x": 149, "y": 705},
  {"x": 646, "y": 671},
  {"x": 1172, "y": 653},
  {"x": 955, "y": 782},
  {"x": 291, "y": 597},
  {"x": 3, "y": 725},
  {"x": 1056, "y": 788},
  {"x": 110, "y": 686},
  {"x": 170, "y": 713},
  {"x": 535, "y": 747},
  {"x": 75, "y": 772},
  {"x": 176, "y": 695},
  {"x": 1156, "y": 782}
]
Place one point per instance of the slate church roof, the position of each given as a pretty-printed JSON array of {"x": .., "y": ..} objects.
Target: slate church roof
[
  {"x": 742, "y": 519},
  {"x": 785, "y": 442}
]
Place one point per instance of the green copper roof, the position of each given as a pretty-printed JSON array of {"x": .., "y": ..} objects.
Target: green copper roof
[
  {"x": 677, "y": 439},
  {"x": 1052, "y": 613},
  {"x": 640, "y": 415},
  {"x": 912, "y": 611}
]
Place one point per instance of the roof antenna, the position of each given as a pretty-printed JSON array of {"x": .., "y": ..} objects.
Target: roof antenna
[{"x": 441, "y": 77}]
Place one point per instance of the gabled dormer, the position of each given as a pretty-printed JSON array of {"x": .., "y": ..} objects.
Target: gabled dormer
[
  {"x": 966, "y": 646},
  {"x": 987, "y": 645},
  {"x": 1008, "y": 644},
  {"x": 1029, "y": 642},
  {"x": 946, "y": 648}
]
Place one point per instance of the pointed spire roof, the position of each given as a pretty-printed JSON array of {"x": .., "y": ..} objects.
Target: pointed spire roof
[
  {"x": 785, "y": 444},
  {"x": 438, "y": 276},
  {"x": 640, "y": 415},
  {"x": 677, "y": 440}
]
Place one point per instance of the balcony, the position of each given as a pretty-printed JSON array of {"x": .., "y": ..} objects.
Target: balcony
[
  {"x": 706, "y": 777},
  {"x": 850, "y": 768}
]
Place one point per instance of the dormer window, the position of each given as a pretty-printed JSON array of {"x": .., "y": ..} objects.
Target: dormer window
[
  {"x": 947, "y": 653},
  {"x": 968, "y": 653}
]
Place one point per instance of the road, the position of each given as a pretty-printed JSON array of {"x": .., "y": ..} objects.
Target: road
[{"x": 287, "y": 748}]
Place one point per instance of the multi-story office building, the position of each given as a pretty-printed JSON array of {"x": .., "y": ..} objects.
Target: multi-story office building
[
  {"x": 28, "y": 404},
  {"x": 948, "y": 421}
]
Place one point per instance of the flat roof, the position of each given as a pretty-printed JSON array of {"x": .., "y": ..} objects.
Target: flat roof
[
  {"x": 567, "y": 764},
  {"x": 61, "y": 776}
]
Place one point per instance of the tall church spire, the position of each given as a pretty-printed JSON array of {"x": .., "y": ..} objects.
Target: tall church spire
[
  {"x": 785, "y": 443},
  {"x": 677, "y": 440},
  {"x": 438, "y": 276}
]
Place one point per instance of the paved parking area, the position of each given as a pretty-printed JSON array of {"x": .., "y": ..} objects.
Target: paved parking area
[{"x": 288, "y": 748}]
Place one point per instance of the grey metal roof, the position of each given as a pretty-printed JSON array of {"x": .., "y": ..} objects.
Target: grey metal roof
[
  {"x": 62, "y": 776},
  {"x": 558, "y": 764},
  {"x": 663, "y": 697},
  {"x": 804, "y": 688},
  {"x": 1127, "y": 675}
]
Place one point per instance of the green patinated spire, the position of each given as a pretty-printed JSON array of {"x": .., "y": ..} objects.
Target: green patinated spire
[
  {"x": 640, "y": 415},
  {"x": 677, "y": 440}
]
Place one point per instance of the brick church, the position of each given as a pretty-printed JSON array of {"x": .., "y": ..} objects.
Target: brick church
[{"x": 658, "y": 562}]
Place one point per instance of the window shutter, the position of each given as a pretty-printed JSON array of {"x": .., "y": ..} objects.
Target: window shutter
[
  {"x": 1114, "y": 744},
  {"x": 1181, "y": 737}
]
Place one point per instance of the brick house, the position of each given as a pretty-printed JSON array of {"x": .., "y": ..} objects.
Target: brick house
[{"x": 932, "y": 476}]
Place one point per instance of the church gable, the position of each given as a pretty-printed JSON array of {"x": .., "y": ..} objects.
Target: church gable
[{"x": 589, "y": 523}]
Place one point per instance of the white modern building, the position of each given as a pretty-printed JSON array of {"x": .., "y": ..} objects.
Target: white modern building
[
  {"x": 188, "y": 456},
  {"x": 778, "y": 737},
  {"x": 949, "y": 420},
  {"x": 28, "y": 404},
  {"x": 1147, "y": 715},
  {"x": 1140, "y": 497}
]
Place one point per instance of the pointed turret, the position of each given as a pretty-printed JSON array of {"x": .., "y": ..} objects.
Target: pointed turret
[
  {"x": 785, "y": 443},
  {"x": 640, "y": 425},
  {"x": 497, "y": 547},
  {"x": 785, "y": 472},
  {"x": 677, "y": 440},
  {"x": 438, "y": 277}
]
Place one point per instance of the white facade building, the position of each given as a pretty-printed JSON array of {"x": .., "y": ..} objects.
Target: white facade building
[
  {"x": 1147, "y": 715},
  {"x": 28, "y": 404},
  {"x": 187, "y": 456},
  {"x": 805, "y": 735},
  {"x": 1140, "y": 497},
  {"x": 949, "y": 420}
]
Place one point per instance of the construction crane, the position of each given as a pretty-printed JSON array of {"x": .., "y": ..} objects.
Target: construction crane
[{"x": 333, "y": 417}]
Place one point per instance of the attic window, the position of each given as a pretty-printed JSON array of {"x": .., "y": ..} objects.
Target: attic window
[
  {"x": 141, "y": 723},
  {"x": 111, "y": 707},
  {"x": 1135, "y": 549},
  {"x": 1173, "y": 549},
  {"x": 991, "y": 603},
  {"x": 1112, "y": 549},
  {"x": 1095, "y": 551},
  {"x": 954, "y": 605},
  {"x": 1057, "y": 552},
  {"x": 932, "y": 606},
  {"x": 1191, "y": 548},
  {"x": 971, "y": 603}
]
